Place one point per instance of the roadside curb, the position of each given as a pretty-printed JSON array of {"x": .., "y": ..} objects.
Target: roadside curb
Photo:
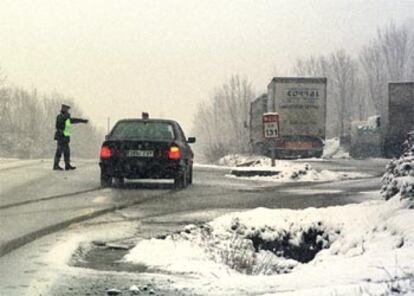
[
  {"x": 27, "y": 238},
  {"x": 25, "y": 202}
]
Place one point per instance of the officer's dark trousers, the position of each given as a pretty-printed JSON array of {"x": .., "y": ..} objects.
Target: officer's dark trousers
[{"x": 62, "y": 147}]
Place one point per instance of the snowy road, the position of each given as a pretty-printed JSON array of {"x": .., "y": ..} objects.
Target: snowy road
[{"x": 35, "y": 201}]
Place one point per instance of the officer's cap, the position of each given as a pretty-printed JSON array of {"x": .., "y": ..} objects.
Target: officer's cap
[{"x": 65, "y": 106}]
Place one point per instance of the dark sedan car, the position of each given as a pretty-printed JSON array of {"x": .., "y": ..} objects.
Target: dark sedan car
[{"x": 146, "y": 149}]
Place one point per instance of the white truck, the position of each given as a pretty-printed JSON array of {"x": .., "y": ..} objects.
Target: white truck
[{"x": 301, "y": 105}]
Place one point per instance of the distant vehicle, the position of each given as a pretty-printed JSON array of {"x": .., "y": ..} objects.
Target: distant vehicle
[
  {"x": 400, "y": 117},
  {"x": 146, "y": 149},
  {"x": 366, "y": 138},
  {"x": 301, "y": 105}
]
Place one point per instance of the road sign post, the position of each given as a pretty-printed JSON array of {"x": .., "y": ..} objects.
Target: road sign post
[{"x": 271, "y": 132}]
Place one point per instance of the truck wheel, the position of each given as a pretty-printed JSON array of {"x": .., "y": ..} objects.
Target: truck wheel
[
  {"x": 181, "y": 180},
  {"x": 318, "y": 154},
  {"x": 106, "y": 181}
]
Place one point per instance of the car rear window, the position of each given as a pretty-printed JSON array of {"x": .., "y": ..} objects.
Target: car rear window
[{"x": 143, "y": 130}]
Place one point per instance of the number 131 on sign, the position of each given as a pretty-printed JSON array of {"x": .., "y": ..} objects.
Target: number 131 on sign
[{"x": 270, "y": 125}]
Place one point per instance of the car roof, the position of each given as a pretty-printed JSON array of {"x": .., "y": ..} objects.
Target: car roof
[{"x": 147, "y": 120}]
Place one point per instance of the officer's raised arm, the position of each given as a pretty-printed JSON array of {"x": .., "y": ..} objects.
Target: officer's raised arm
[{"x": 78, "y": 120}]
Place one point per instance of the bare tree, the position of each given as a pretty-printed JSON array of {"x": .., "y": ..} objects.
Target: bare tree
[
  {"x": 311, "y": 67},
  {"x": 2, "y": 78},
  {"x": 343, "y": 78},
  {"x": 374, "y": 76},
  {"x": 220, "y": 122},
  {"x": 396, "y": 50},
  {"x": 358, "y": 88},
  {"x": 387, "y": 58},
  {"x": 27, "y": 122}
]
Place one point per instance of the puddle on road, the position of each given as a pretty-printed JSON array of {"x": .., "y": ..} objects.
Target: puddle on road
[
  {"x": 107, "y": 255},
  {"x": 103, "y": 258}
]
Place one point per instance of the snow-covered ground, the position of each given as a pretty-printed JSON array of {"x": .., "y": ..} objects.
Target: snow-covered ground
[
  {"x": 364, "y": 248},
  {"x": 288, "y": 170},
  {"x": 356, "y": 249},
  {"x": 7, "y": 163}
]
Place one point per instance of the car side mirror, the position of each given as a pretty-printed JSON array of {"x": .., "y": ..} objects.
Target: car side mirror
[{"x": 191, "y": 140}]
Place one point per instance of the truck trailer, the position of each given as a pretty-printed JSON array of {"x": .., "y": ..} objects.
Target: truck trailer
[
  {"x": 301, "y": 105},
  {"x": 257, "y": 108},
  {"x": 400, "y": 116}
]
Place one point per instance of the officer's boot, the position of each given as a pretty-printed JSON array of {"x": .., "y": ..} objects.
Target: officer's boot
[
  {"x": 66, "y": 156},
  {"x": 56, "y": 166},
  {"x": 69, "y": 167}
]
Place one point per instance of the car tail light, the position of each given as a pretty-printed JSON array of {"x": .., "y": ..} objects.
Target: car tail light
[
  {"x": 106, "y": 152},
  {"x": 174, "y": 153}
]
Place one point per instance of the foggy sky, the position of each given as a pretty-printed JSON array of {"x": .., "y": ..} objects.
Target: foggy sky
[{"x": 119, "y": 58}]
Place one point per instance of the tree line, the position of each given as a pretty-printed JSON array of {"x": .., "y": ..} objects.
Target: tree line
[
  {"x": 357, "y": 88},
  {"x": 358, "y": 85},
  {"x": 220, "y": 123},
  {"x": 27, "y": 125}
]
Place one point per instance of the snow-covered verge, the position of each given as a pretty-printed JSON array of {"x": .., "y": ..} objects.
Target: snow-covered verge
[
  {"x": 358, "y": 249},
  {"x": 288, "y": 170},
  {"x": 399, "y": 177}
]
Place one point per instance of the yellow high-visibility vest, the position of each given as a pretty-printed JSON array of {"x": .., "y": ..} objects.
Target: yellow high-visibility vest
[{"x": 66, "y": 131}]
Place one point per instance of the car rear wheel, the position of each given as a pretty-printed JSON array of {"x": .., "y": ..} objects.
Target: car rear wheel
[
  {"x": 181, "y": 180},
  {"x": 190, "y": 175},
  {"x": 119, "y": 182},
  {"x": 106, "y": 181}
]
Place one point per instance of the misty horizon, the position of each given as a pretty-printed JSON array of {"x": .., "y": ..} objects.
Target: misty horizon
[{"x": 117, "y": 59}]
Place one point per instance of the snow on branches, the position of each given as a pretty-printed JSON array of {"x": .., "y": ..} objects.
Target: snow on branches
[{"x": 399, "y": 175}]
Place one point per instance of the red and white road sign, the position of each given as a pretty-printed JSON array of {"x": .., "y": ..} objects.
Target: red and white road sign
[{"x": 270, "y": 125}]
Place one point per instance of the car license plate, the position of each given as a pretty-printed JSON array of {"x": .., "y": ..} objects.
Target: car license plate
[{"x": 140, "y": 153}]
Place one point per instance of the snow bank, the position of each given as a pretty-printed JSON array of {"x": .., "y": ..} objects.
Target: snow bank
[
  {"x": 366, "y": 247},
  {"x": 333, "y": 149},
  {"x": 399, "y": 177},
  {"x": 239, "y": 160},
  {"x": 288, "y": 170}
]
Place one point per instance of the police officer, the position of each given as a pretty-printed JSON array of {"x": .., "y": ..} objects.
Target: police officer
[{"x": 62, "y": 136}]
